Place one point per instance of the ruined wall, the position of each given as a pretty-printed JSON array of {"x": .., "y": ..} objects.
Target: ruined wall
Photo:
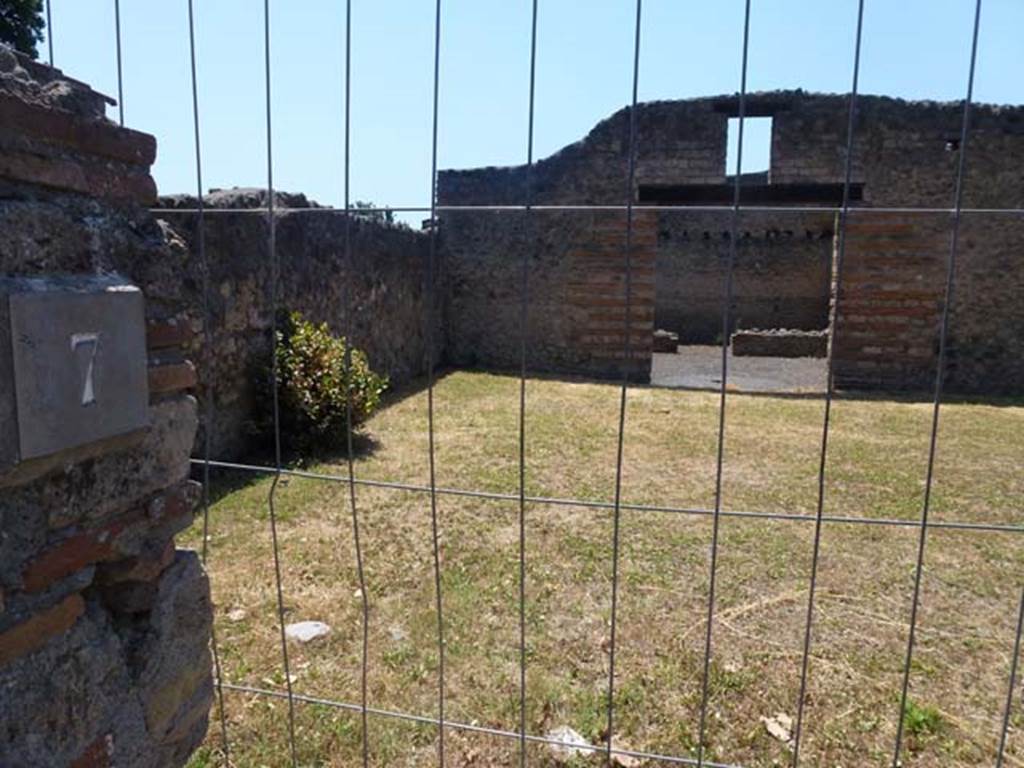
[
  {"x": 388, "y": 293},
  {"x": 104, "y": 625},
  {"x": 781, "y": 274},
  {"x": 577, "y": 312},
  {"x": 906, "y": 154},
  {"x": 680, "y": 142}
]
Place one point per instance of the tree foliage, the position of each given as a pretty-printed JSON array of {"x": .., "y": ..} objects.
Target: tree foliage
[{"x": 21, "y": 24}]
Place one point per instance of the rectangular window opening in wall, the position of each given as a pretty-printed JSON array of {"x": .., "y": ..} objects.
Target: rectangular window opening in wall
[{"x": 757, "y": 149}]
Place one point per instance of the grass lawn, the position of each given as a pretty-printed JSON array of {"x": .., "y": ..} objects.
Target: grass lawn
[{"x": 876, "y": 468}]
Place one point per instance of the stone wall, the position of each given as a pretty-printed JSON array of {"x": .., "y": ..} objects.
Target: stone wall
[
  {"x": 388, "y": 294},
  {"x": 104, "y": 624},
  {"x": 680, "y": 142},
  {"x": 906, "y": 154},
  {"x": 781, "y": 273},
  {"x": 577, "y": 307}
]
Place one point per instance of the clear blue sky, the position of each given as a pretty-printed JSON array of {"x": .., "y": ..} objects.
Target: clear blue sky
[{"x": 911, "y": 48}]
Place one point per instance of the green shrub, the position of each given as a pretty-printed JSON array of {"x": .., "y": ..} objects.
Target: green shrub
[{"x": 312, "y": 387}]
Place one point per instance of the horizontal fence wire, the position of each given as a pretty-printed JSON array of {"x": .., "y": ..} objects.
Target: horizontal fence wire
[
  {"x": 572, "y": 208},
  {"x": 607, "y": 505}
]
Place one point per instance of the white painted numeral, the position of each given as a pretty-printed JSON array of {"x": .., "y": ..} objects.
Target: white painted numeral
[{"x": 90, "y": 343}]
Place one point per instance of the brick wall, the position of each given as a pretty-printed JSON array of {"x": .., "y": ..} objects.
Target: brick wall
[
  {"x": 104, "y": 624},
  {"x": 890, "y": 302},
  {"x": 781, "y": 273},
  {"x": 892, "y": 294},
  {"x": 905, "y": 154},
  {"x": 577, "y": 315},
  {"x": 597, "y": 289}
]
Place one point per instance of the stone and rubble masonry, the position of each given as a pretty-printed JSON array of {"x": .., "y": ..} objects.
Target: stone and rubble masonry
[
  {"x": 388, "y": 290},
  {"x": 905, "y": 154},
  {"x": 779, "y": 342},
  {"x": 104, "y": 624}
]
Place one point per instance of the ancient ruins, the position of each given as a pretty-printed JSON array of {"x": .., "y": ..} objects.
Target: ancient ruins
[{"x": 104, "y": 624}]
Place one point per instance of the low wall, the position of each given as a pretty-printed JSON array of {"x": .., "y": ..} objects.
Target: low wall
[
  {"x": 104, "y": 625},
  {"x": 388, "y": 294},
  {"x": 779, "y": 343}
]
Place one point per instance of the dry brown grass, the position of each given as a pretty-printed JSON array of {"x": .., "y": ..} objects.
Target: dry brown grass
[{"x": 876, "y": 468}]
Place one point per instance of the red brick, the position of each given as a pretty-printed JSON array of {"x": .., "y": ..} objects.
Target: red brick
[
  {"x": 33, "y": 633},
  {"x": 161, "y": 334},
  {"x": 106, "y": 543},
  {"x": 120, "y": 184},
  {"x": 172, "y": 377},
  {"x": 70, "y": 555},
  {"x": 97, "y": 754},
  {"x": 145, "y": 567},
  {"x": 69, "y": 130}
]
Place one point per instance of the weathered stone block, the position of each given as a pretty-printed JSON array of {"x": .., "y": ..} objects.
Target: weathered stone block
[
  {"x": 779, "y": 342},
  {"x": 665, "y": 341}
]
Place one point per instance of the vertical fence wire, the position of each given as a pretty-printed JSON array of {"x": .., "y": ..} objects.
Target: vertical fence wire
[
  {"x": 204, "y": 265},
  {"x": 524, "y": 316},
  {"x": 939, "y": 378},
  {"x": 275, "y": 269},
  {"x": 430, "y": 312},
  {"x": 626, "y": 362},
  {"x": 49, "y": 32},
  {"x": 120, "y": 76},
  {"x": 1014, "y": 661},
  {"x": 829, "y": 390},
  {"x": 726, "y": 306},
  {"x": 350, "y": 460}
]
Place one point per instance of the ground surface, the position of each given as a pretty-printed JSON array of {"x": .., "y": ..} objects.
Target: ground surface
[
  {"x": 876, "y": 468},
  {"x": 700, "y": 367}
]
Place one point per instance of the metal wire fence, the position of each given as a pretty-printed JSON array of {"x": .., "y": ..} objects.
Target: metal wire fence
[{"x": 432, "y": 491}]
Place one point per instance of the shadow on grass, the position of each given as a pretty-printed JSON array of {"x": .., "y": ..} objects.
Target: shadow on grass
[
  {"x": 260, "y": 463},
  {"x": 949, "y": 397}
]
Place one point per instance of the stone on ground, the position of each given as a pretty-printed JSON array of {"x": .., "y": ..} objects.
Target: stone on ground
[{"x": 306, "y": 631}]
